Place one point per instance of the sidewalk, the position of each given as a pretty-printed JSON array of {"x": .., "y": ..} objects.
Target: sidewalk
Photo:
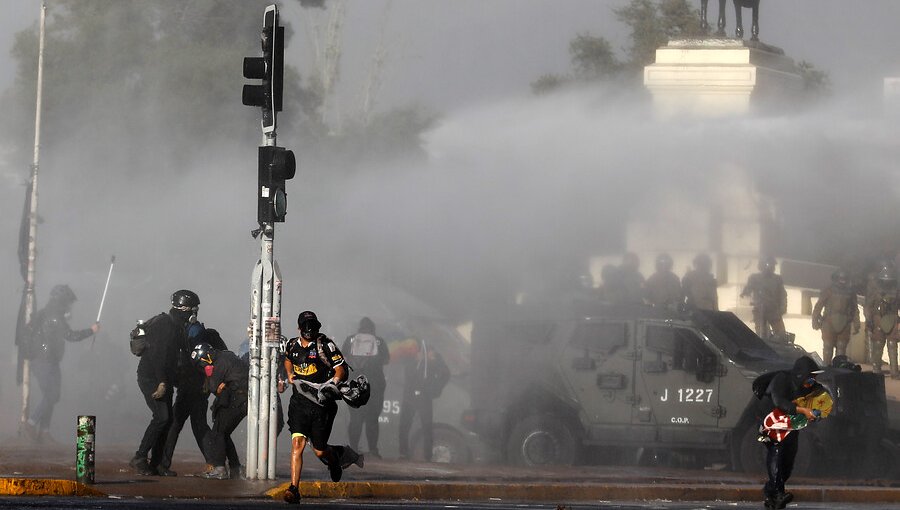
[{"x": 42, "y": 471}]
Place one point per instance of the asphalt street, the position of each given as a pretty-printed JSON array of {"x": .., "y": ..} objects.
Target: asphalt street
[{"x": 172, "y": 504}]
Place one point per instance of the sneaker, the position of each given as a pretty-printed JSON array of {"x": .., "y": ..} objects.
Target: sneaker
[
  {"x": 217, "y": 473},
  {"x": 292, "y": 495},
  {"x": 783, "y": 499},
  {"x": 770, "y": 503},
  {"x": 350, "y": 457},
  {"x": 141, "y": 466},
  {"x": 336, "y": 472},
  {"x": 161, "y": 471}
]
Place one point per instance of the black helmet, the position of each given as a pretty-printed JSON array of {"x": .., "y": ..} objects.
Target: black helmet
[
  {"x": 702, "y": 262},
  {"x": 767, "y": 264},
  {"x": 356, "y": 392},
  {"x": 62, "y": 294},
  {"x": 185, "y": 299},
  {"x": 201, "y": 355},
  {"x": 663, "y": 262},
  {"x": 840, "y": 278}
]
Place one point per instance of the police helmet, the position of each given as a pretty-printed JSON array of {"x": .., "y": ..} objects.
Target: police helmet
[
  {"x": 62, "y": 294},
  {"x": 840, "y": 278},
  {"x": 356, "y": 392},
  {"x": 767, "y": 264},
  {"x": 201, "y": 354},
  {"x": 887, "y": 274},
  {"x": 702, "y": 262},
  {"x": 185, "y": 299},
  {"x": 664, "y": 262}
]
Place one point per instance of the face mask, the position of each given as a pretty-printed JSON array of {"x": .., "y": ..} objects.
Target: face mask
[{"x": 208, "y": 369}]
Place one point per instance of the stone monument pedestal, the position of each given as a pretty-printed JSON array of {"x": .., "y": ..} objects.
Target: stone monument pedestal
[{"x": 721, "y": 77}]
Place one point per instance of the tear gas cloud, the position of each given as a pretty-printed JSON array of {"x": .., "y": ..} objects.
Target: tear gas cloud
[{"x": 514, "y": 196}]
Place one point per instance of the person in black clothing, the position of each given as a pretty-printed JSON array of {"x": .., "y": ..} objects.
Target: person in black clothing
[
  {"x": 425, "y": 376},
  {"x": 784, "y": 387},
  {"x": 156, "y": 373},
  {"x": 313, "y": 358},
  {"x": 227, "y": 376},
  {"x": 190, "y": 399},
  {"x": 367, "y": 354},
  {"x": 50, "y": 332}
]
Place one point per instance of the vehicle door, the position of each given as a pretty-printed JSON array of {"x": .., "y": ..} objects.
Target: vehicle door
[
  {"x": 598, "y": 366},
  {"x": 677, "y": 382}
]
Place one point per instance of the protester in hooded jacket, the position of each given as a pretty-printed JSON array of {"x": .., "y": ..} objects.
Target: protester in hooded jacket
[{"x": 367, "y": 354}]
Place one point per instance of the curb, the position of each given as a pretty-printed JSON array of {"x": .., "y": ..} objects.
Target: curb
[
  {"x": 570, "y": 492},
  {"x": 45, "y": 487}
]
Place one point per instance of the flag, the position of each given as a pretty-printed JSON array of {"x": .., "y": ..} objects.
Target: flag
[{"x": 23, "y": 331}]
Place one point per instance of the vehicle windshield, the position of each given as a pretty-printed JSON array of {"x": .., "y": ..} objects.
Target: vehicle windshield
[{"x": 738, "y": 341}]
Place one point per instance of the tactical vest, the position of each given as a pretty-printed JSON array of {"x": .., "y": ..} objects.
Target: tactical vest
[
  {"x": 885, "y": 311},
  {"x": 838, "y": 310}
]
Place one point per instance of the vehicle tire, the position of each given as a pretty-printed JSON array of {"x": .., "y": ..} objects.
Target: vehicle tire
[
  {"x": 752, "y": 454},
  {"x": 449, "y": 446},
  {"x": 541, "y": 440}
]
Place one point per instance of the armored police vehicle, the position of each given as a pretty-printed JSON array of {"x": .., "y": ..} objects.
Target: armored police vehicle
[{"x": 554, "y": 385}]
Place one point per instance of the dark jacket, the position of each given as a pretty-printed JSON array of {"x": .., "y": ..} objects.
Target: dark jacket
[
  {"x": 228, "y": 368},
  {"x": 160, "y": 358},
  {"x": 425, "y": 376},
  {"x": 787, "y": 385},
  {"x": 50, "y": 331}
]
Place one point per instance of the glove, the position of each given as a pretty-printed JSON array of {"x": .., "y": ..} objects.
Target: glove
[
  {"x": 816, "y": 323},
  {"x": 160, "y": 391},
  {"x": 328, "y": 392}
]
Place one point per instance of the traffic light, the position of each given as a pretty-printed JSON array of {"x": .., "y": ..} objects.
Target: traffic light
[
  {"x": 269, "y": 68},
  {"x": 276, "y": 166}
]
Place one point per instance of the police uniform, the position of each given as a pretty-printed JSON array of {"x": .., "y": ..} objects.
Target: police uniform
[
  {"x": 769, "y": 302},
  {"x": 700, "y": 290},
  {"x": 881, "y": 318},
  {"x": 305, "y": 417},
  {"x": 835, "y": 312},
  {"x": 663, "y": 289}
]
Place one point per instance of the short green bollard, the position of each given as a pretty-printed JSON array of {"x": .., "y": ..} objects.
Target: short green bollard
[{"x": 84, "y": 449}]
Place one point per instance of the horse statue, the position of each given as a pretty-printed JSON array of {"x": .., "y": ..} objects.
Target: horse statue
[{"x": 739, "y": 5}]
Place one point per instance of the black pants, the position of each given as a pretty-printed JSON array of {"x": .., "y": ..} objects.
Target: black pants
[
  {"x": 154, "y": 439},
  {"x": 411, "y": 406},
  {"x": 367, "y": 415},
  {"x": 48, "y": 377},
  {"x": 219, "y": 445},
  {"x": 190, "y": 402},
  {"x": 780, "y": 457}
]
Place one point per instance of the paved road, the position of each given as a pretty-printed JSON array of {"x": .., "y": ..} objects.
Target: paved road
[{"x": 172, "y": 504}]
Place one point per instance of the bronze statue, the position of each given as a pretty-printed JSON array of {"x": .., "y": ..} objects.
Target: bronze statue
[{"x": 739, "y": 5}]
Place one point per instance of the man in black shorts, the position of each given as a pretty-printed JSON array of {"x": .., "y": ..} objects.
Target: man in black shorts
[{"x": 314, "y": 358}]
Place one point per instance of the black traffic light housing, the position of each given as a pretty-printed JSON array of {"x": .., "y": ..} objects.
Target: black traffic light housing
[
  {"x": 276, "y": 166},
  {"x": 269, "y": 68}
]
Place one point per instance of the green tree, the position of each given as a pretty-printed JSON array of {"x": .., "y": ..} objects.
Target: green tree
[{"x": 593, "y": 58}]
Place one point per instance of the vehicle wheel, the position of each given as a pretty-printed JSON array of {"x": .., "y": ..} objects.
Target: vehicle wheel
[
  {"x": 752, "y": 454},
  {"x": 541, "y": 440},
  {"x": 449, "y": 446}
]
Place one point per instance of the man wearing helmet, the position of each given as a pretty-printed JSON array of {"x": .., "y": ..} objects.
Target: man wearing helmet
[
  {"x": 700, "y": 285},
  {"x": 226, "y": 375},
  {"x": 834, "y": 313},
  {"x": 663, "y": 288},
  {"x": 769, "y": 298},
  {"x": 881, "y": 313},
  {"x": 630, "y": 280},
  {"x": 314, "y": 358},
  {"x": 50, "y": 331},
  {"x": 156, "y": 375}
]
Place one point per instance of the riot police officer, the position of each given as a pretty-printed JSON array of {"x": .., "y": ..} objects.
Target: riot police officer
[
  {"x": 881, "y": 313},
  {"x": 769, "y": 298},
  {"x": 700, "y": 286},
  {"x": 49, "y": 332},
  {"x": 630, "y": 279},
  {"x": 162, "y": 335},
  {"x": 663, "y": 288},
  {"x": 834, "y": 313}
]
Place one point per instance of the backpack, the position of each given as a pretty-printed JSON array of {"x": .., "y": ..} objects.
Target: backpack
[
  {"x": 139, "y": 335},
  {"x": 761, "y": 383}
]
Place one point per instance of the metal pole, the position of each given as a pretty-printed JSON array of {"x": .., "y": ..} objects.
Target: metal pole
[
  {"x": 112, "y": 262},
  {"x": 267, "y": 259},
  {"x": 273, "y": 361},
  {"x": 32, "y": 214},
  {"x": 253, "y": 390}
]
